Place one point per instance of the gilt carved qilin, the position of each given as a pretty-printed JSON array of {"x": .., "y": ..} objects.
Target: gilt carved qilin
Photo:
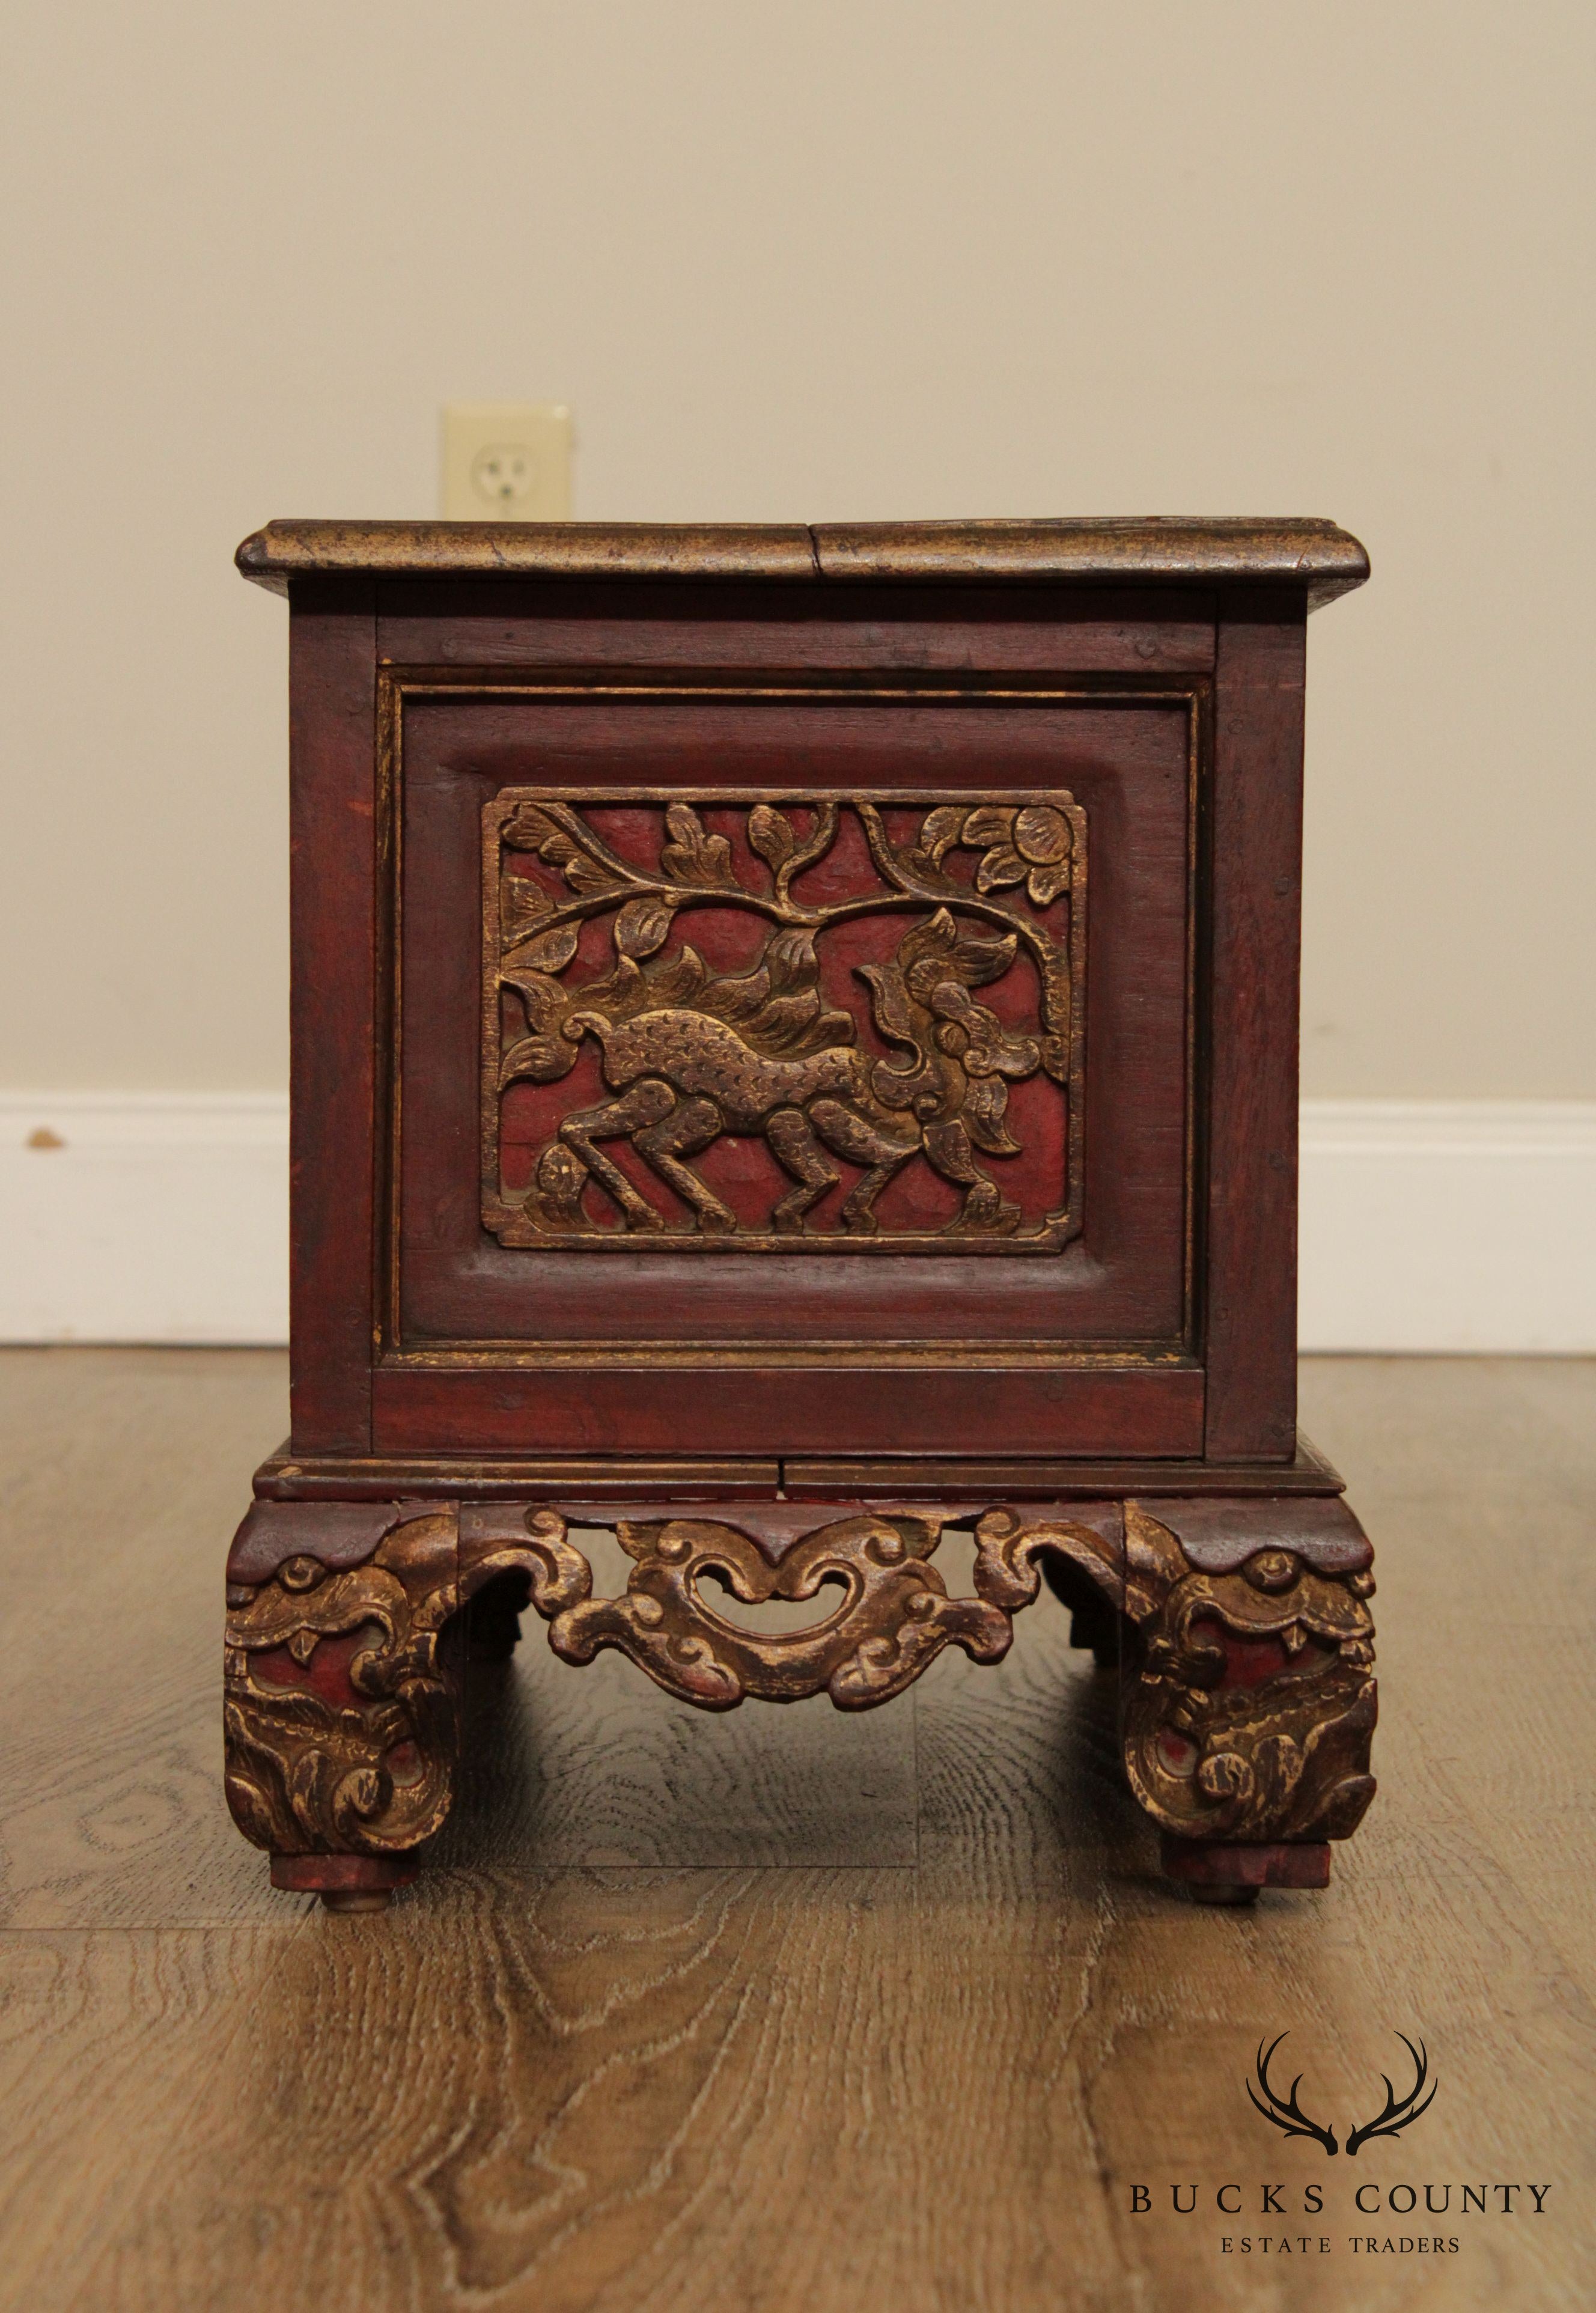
[
  {"x": 871, "y": 1040},
  {"x": 1252, "y": 1709}
]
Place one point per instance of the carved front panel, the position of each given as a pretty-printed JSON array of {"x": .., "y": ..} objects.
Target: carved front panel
[{"x": 754, "y": 1023}]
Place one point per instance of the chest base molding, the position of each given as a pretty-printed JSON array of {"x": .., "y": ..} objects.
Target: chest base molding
[{"x": 1237, "y": 1631}]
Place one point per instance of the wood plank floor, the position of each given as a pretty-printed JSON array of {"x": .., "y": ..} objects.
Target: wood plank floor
[{"x": 788, "y": 2010}]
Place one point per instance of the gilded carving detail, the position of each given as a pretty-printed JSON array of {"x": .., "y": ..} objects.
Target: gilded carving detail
[
  {"x": 1253, "y": 1712},
  {"x": 910, "y": 962},
  {"x": 340, "y": 1726},
  {"x": 1249, "y": 1695},
  {"x": 892, "y": 1618},
  {"x": 341, "y": 1714}
]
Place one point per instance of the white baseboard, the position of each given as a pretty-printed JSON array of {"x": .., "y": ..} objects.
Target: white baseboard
[
  {"x": 1448, "y": 1226},
  {"x": 1426, "y": 1225},
  {"x": 144, "y": 1216}
]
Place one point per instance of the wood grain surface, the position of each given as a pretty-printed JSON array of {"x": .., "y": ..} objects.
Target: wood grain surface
[
  {"x": 563, "y": 623},
  {"x": 786, "y": 2011},
  {"x": 1305, "y": 551},
  {"x": 334, "y": 995},
  {"x": 1251, "y": 979}
]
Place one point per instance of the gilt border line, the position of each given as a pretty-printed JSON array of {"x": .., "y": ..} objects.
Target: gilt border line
[{"x": 397, "y": 685}]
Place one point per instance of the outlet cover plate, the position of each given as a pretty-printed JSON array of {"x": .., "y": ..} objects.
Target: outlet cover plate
[{"x": 507, "y": 462}]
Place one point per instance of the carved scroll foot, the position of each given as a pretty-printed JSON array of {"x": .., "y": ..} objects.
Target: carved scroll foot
[
  {"x": 341, "y": 1705},
  {"x": 1247, "y": 1699},
  {"x": 346, "y": 1659}
]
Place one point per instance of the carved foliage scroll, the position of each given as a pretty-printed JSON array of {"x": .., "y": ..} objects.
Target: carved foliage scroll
[
  {"x": 340, "y": 1708},
  {"x": 339, "y": 1721},
  {"x": 831, "y": 1025},
  {"x": 890, "y": 1618},
  {"x": 1253, "y": 1710},
  {"x": 342, "y": 1697},
  {"x": 1249, "y": 1697}
]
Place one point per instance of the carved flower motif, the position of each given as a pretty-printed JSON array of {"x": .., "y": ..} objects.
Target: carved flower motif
[{"x": 1030, "y": 846}]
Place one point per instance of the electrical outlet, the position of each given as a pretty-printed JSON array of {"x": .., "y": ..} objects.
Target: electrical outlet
[{"x": 507, "y": 462}]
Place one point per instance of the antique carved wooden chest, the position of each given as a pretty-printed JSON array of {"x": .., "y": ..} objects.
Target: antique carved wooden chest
[{"x": 795, "y": 1049}]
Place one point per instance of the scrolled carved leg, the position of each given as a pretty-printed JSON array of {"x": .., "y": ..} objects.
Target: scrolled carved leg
[
  {"x": 1249, "y": 1703},
  {"x": 344, "y": 1664},
  {"x": 341, "y": 1708}
]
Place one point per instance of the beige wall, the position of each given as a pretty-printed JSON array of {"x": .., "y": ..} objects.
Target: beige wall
[{"x": 810, "y": 259}]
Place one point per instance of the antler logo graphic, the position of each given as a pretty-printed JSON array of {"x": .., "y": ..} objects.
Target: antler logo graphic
[
  {"x": 1286, "y": 2115},
  {"x": 1397, "y": 2111}
]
